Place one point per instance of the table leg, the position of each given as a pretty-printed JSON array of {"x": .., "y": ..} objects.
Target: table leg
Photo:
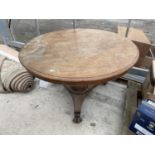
[{"x": 78, "y": 94}]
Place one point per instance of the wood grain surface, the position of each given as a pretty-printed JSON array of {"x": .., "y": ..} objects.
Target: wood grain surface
[{"x": 80, "y": 56}]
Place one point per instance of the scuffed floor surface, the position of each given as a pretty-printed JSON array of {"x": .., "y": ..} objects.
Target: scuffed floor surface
[{"x": 50, "y": 111}]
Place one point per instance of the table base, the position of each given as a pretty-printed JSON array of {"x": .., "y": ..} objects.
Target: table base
[{"x": 78, "y": 94}]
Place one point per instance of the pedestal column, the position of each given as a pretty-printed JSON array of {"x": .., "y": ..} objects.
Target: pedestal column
[{"x": 78, "y": 94}]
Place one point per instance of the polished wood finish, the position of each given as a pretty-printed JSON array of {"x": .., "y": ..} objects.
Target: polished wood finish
[{"x": 79, "y": 59}]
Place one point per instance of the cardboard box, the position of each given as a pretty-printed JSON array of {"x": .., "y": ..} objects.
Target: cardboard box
[{"x": 143, "y": 122}]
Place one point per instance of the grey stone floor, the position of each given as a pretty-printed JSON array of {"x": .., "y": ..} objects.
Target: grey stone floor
[{"x": 50, "y": 111}]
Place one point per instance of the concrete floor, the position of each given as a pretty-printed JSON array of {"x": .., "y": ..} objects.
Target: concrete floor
[{"x": 50, "y": 111}]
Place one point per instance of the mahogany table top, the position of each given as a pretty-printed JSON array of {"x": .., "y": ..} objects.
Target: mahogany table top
[{"x": 79, "y": 56}]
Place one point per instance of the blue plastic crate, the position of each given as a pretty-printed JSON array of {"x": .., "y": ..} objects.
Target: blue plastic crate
[{"x": 143, "y": 122}]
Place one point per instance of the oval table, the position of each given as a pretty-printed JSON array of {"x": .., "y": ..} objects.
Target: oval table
[{"x": 80, "y": 59}]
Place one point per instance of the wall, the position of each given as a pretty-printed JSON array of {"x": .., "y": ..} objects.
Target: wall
[{"x": 25, "y": 30}]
